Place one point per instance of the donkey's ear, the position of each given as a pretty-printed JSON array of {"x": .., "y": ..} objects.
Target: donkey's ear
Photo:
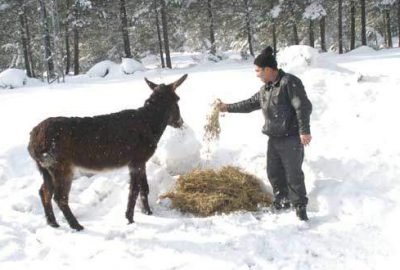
[
  {"x": 151, "y": 84},
  {"x": 178, "y": 82}
]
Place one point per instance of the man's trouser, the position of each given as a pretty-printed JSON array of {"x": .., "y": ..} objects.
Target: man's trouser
[{"x": 284, "y": 160}]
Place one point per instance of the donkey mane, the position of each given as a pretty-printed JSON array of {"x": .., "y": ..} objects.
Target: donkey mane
[{"x": 126, "y": 138}]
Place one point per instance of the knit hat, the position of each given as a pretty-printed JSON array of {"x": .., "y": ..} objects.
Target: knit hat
[{"x": 266, "y": 59}]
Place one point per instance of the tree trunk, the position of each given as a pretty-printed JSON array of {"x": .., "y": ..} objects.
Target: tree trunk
[
  {"x": 385, "y": 36},
  {"x": 76, "y": 38},
  {"x": 24, "y": 39},
  {"x": 28, "y": 39},
  {"x": 211, "y": 27},
  {"x": 273, "y": 29},
  {"x": 352, "y": 25},
  {"x": 28, "y": 34},
  {"x": 398, "y": 21},
  {"x": 363, "y": 23},
  {"x": 248, "y": 27},
  {"x": 159, "y": 35},
  {"x": 46, "y": 41},
  {"x": 322, "y": 33},
  {"x": 340, "y": 26},
  {"x": 124, "y": 28},
  {"x": 388, "y": 28},
  {"x": 58, "y": 43},
  {"x": 295, "y": 35},
  {"x": 311, "y": 33},
  {"x": 165, "y": 33},
  {"x": 67, "y": 47}
]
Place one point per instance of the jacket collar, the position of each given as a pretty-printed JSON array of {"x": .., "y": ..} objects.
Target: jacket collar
[{"x": 281, "y": 73}]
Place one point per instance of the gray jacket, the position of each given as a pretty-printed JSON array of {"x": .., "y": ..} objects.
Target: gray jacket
[{"x": 285, "y": 106}]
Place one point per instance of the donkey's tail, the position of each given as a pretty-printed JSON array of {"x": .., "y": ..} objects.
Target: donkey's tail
[{"x": 39, "y": 147}]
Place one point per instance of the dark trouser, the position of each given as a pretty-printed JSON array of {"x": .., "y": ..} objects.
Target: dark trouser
[{"x": 284, "y": 159}]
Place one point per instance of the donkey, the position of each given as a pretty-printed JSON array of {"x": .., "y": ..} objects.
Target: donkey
[{"x": 59, "y": 145}]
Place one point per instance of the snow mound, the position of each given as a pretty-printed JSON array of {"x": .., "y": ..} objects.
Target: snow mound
[
  {"x": 103, "y": 69},
  {"x": 297, "y": 58},
  {"x": 160, "y": 182},
  {"x": 12, "y": 78},
  {"x": 361, "y": 50},
  {"x": 130, "y": 66},
  {"x": 179, "y": 150}
]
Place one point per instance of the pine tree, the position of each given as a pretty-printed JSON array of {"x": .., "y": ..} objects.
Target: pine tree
[
  {"x": 159, "y": 34},
  {"x": 352, "y": 24},
  {"x": 47, "y": 42},
  {"x": 363, "y": 23},
  {"x": 340, "y": 26},
  {"x": 25, "y": 41},
  {"x": 75, "y": 30},
  {"x": 165, "y": 33},
  {"x": 248, "y": 27},
  {"x": 124, "y": 29},
  {"x": 211, "y": 26}
]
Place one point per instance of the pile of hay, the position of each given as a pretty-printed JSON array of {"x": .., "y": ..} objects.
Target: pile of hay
[
  {"x": 212, "y": 128},
  {"x": 209, "y": 192}
]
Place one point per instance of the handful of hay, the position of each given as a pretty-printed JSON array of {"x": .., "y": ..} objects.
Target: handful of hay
[
  {"x": 212, "y": 128},
  {"x": 208, "y": 192}
]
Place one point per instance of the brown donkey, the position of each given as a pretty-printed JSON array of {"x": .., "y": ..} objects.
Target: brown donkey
[{"x": 126, "y": 138}]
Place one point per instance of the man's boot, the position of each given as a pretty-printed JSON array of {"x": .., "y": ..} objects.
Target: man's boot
[
  {"x": 281, "y": 204},
  {"x": 301, "y": 212}
]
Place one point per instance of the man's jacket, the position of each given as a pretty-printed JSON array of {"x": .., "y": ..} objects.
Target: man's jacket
[{"x": 285, "y": 106}]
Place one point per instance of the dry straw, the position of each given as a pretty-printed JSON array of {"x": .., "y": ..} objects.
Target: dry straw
[
  {"x": 209, "y": 192},
  {"x": 212, "y": 128}
]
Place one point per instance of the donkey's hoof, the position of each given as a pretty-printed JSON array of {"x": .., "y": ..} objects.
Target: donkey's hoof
[
  {"x": 147, "y": 212},
  {"x": 131, "y": 222},
  {"x": 53, "y": 224},
  {"x": 77, "y": 227}
]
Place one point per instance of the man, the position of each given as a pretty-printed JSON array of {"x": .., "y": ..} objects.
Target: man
[{"x": 287, "y": 111}]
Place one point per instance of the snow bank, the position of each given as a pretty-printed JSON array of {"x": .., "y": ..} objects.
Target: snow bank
[
  {"x": 351, "y": 170},
  {"x": 103, "y": 69},
  {"x": 130, "y": 66},
  {"x": 179, "y": 150},
  {"x": 109, "y": 68},
  {"x": 298, "y": 58},
  {"x": 12, "y": 78},
  {"x": 362, "y": 50}
]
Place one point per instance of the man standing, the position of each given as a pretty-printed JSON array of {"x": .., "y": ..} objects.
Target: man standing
[{"x": 287, "y": 111}]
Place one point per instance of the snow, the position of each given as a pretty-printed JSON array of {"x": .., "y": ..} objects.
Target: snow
[
  {"x": 275, "y": 11},
  {"x": 12, "y": 78},
  {"x": 351, "y": 169},
  {"x": 361, "y": 50},
  {"x": 102, "y": 69},
  {"x": 179, "y": 151},
  {"x": 314, "y": 11},
  {"x": 387, "y": 2},
  {"x": 4, "y": 7},
  {"x": 130, "y": 66},
  {"x": 298, "y": 58}
]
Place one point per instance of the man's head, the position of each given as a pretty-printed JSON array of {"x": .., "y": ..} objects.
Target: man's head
[{"x": 266, "y": 65}]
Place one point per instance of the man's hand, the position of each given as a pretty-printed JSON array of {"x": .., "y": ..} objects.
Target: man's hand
[
  {"x": 305, "y": 139},
  {"x": 222, "y": 107}
]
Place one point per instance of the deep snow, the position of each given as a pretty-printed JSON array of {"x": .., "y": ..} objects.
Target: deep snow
[{"x": 351, "y": 169}]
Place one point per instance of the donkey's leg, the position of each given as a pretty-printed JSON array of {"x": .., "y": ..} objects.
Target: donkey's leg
[
  {"x": 46, "y": 193},
  {"x": 144, "y": 193},
  {"x": 135, "y": 172},
  {"x": 63, "y": 181}
]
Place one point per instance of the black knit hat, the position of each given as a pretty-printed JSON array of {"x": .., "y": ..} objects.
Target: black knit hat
[{"x": 266, "y": 59}]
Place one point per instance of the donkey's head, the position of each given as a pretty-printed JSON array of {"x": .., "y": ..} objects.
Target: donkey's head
[{"x": 174, "y": 116}]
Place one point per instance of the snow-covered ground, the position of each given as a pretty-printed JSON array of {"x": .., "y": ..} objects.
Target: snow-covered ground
[{"x": 351, "y": 168}]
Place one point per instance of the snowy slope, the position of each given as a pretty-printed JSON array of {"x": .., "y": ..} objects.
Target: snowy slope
[{"x": 351, "y": 168}]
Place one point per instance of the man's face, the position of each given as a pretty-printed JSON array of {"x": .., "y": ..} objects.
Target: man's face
[{"x": 265, "y": 74}]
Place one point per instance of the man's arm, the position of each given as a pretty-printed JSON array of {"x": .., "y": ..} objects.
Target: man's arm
[
  {"x": 301, "y": 104},
  {"x": 244, "y": 106}
]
